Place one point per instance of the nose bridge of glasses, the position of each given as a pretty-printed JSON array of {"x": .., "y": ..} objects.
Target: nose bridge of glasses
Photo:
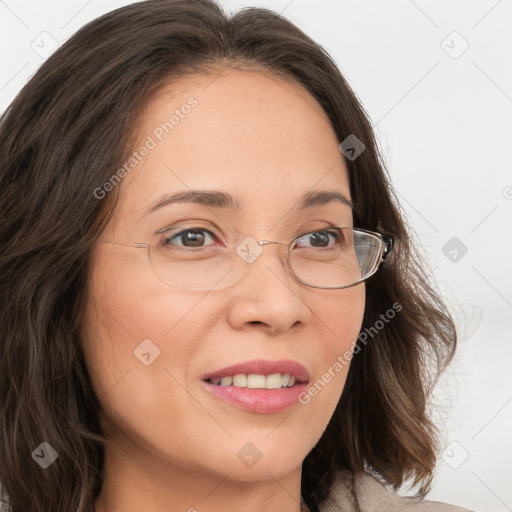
[
  {"x": 269, "y": 242},
  {"x": 250, "y": 249},
  {"x": 283, "y": 248}
]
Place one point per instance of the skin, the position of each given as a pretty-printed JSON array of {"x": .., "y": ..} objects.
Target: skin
[{"x": 171, "y": 445}]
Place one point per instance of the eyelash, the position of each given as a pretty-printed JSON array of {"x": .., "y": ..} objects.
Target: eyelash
[{"x": 166, "y": 241}]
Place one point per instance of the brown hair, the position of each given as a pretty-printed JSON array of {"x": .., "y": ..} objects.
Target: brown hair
[{"x": 65, "y": 134}]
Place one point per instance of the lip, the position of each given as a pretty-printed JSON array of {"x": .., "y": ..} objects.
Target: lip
[
  {"x": 263, "y": 401},
  {"x": 263, "y": 367}
]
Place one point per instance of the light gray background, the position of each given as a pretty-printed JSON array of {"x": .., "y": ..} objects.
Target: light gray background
[{"x": 442, "y": 114}]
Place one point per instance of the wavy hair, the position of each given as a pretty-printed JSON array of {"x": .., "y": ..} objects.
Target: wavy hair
[{"x": 65, "y": 134}]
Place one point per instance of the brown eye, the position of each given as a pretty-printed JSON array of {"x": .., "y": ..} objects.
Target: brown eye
[
  {"x": 193, "y": 237},
  {"x": 318, "y": 239}
]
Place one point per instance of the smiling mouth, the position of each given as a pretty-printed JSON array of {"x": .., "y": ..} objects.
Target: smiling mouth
[{"x": 256, "y": 381}]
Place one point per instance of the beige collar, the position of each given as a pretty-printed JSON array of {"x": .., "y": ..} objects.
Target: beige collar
[{"x": 366, "y": 493}]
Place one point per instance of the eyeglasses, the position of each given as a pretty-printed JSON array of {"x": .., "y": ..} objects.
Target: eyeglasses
[{"x": 329, "y": 258}]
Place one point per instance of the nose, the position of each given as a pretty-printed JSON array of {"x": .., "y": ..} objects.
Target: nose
[{"x": 268, "y": 297}]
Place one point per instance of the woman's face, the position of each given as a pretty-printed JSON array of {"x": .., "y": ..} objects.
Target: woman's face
[{"x": 148, "y": 346}]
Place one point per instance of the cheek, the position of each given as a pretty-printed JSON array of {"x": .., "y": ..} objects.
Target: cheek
[
  {"x": 137, "y": 335},
  {"x": 338, "y": 322},
  {"x": 128, "y": 304},
  {"x": 138, "y": 338},
  {"x": 340, "y": 318}
]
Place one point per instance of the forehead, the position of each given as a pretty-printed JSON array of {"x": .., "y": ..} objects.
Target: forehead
[{"x": 247, "y": 131}]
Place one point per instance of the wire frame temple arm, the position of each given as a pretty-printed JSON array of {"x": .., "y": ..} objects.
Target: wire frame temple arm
[{"x": 389, "y": 242}]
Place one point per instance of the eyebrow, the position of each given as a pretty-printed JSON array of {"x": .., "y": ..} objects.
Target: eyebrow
[{"x": 218, "y": 199}]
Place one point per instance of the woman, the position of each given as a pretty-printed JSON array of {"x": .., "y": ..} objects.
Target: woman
[{"x": 160, "y": 350}]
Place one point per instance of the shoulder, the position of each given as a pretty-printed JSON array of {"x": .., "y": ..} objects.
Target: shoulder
[
  {"x": 370, "y": 493},
  {"x": 365, "y": 493}
]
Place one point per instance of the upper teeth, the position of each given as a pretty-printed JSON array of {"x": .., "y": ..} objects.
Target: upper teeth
[{"x": 255, "y": 381}]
